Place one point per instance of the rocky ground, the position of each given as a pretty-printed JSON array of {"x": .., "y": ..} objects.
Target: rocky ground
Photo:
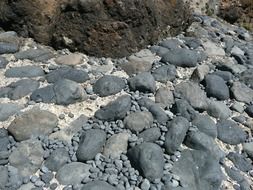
[{"x": 175, "y": 116}]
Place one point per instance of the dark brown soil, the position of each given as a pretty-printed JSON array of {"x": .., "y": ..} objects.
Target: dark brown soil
[{"x": 111, "y": 28}]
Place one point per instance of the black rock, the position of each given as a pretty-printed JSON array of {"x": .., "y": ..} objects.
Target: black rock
[
  {"x": 216, "y": 87},
  {"x": 3, "y": 62},
  {"x": 90, "y": 144},
  {"x": 182, "y": 57},
  {"x": 6, "y": 47},
  {"x": 206, "y": 125},
  {"x": 45, "y": 94},
  {"x": 198, "y": 170},
  {"x": 98, "y": 185},
  {"x": 177, "y": 129},
  {"x": 148, "y": 159},
  {"x": 229, "y": 132},
  {"x": 241, "y": 162},
  {"x": 108, "y": 85},
  {"x": 200, "y": 141},
  {"x": 192, "y": 93},
  {"x": 249, "y": 110},
  {"x": 150, "y": 135},
  {"x": 115, "y": 110},
  {"x": 143, "y": 82},
  {"x": 22, "y": 88},
  {"x": 183, "y": 108},
  {"x": 165, "y": 73},
  {"x": 57, "y": 159},
  {"x": 24, "y": 71},
  {"x": 68, "y": 92},
  {"x": 38, "y": 55},
  {"x": 69, "y": 73}
]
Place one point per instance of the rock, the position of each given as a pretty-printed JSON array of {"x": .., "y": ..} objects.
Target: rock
[
  {"x": 8, "y": 109},
  {"x": 68, "y": 92},
  {"x": 216, "y": 87},
  {"x": 218, "y": 110},
  {"x": 32, "y": 123},
  {"x": 247, "y": 77},
  {"x": 241, "y": 162},
  {"x": 4, "y": 141},
  {"x": 193, "y": 94},
  {"x": 198, "y": 170},
  {"x": 28, "y": 186},
  {"x": 164, "y": 97},
  {"x": 45, "y": 94},
  {"x": 182, "y": 57},
  {"x": 206, "y": 125},
  {"x": 148, "y": 159},
  {"x": 115, "y": 110},
  {"x": 234, "y": 174},
  {"x": 230, "y": 65},
  {"x": 3, "y": 176},
  {"x": 237, "y": 107},
  {"x": 171, "y": 43},
  {"x": 177, "y": 129},
  {"x": 226, "y": 75},
  {"x": 249, "y": 110},
  {"x": 200, "y": 72},
  {"x": 241, "y": 92},
  {"x": 15, "y": 179},
  {"x": 37, "y": 55},
  {"x": 73, "y": 173},
  {"x": 165, "y": 73},
  {"x": 143, "y": 82},
  {"x": 24, "y": 71},
  {"x": 22, "y": 88},
  {"x": 73, "y": 74},
  {"x": 98, "y": 185},
  {"x": 248, "y": 148},
  {"x": 200, "y": 141},
  {"x": 90, "y": 144},
  {"x": 108, "y": 85},
  {"x": 116, "y": 145},
  {"x": 229, "y": 132},
  {"x": 6, "y": 47},
  {"x": 71, "y": 59},
  {"x": 211, "y": 49},
  {"x": 3, "y": 62},
  {"x": 139, "y": 62},
  {"x": 138, "y": 121},
  {"x": 159, "y": 114},
  {"x": 151, "y": 134},
  {"x": 57, "y": 159},
  {"x": 124, "y": 32},
  {"x": 183, "y": 108},
  {"x": 27, "y": 157},
  {"x": 192, "y": 42}
]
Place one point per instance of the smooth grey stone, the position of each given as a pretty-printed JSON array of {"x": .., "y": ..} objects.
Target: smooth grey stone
[
  {"x": 3, "y": 62},
  {"x": 90, "y": 144},
  {"x": 150, "y": 135},
  {"x": 143, "y": 82},
  {"x": 68, "y": 92},
  {"x": 24, "y": 71},
  {"x": 148, "y": 159},
  {"x": 249, "y": 110},
  {"x": 183, "y": 108},
  {"x": 192, "y": 42},
  {"x": 73, "y": 173},
  {"x": 226, "y": 75},
  {"x": 171, "y": 43},
  {"x": 193, "y": 94},
  {"x": 3, "y": 176},
  {"x": 216, "y": 87},
  {"x": 6, "y": 47},
  {"x": 240, "y": 161},
  {"x": 229, "y": 132},
  {"x": 69, "y": 73},
  {"x": 164, "y": 97},
  {"x": 115, "y": 110},
  {"x": 247, "y": 77},
  {"x": 248, "y": 148},
  {"x": 37, "y": 55},
  {"x": 8, "y": 109},
  {"x": 165, "y": 73},
  {"x": 57, "y": 159},
  {"x": 27, "y": 157},
  {"x": 177, "y": 129},
  {"x": 206, "y": 125},
  {"x": 45, "y": 94},
  {"x": 22, "y": 88},
  {"x": 159, "y": 114},
  {"x": 98, "y": 185},
  {"x": 234, "y": 174},
  {"x": 108, "y": 85},
  {"x": 218, "y": 110},
  {"x": 32, "y": 123},
  {"x": 241, "y": 92}
]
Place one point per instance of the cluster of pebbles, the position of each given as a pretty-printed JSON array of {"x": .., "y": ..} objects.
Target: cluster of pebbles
[{"x": 175, "y": 116}]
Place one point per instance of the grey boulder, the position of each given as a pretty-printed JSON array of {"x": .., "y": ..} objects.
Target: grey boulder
[
  {"x": 98, "y": 185},
  {"x": 8, "y": 109},
  {"x": 143, "y": 82},
  {"x": 24, "y": 71}
]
